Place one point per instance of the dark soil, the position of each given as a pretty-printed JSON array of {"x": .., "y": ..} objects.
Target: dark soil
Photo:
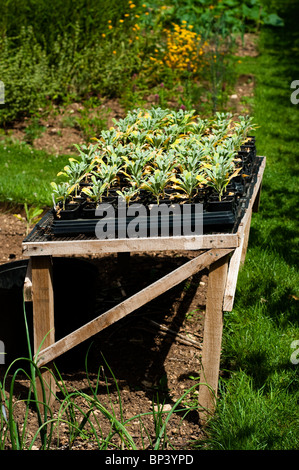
[{"x": 148, "y": 358}]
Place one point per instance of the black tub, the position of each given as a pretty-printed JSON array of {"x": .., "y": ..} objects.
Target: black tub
[{"x": 74, "y": 282}]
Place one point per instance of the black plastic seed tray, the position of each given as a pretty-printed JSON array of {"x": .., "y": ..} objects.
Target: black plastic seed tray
[{"x": 162, "y": 225}]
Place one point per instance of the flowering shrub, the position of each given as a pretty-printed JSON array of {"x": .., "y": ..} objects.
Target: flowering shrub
[{"x": 183, "y": 50}]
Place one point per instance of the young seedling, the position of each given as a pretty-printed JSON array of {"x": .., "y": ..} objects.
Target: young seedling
[
  {"x": 158, "y": 139},
  {"x": 87, "y": 153},
  {"x": 106, "y": 172},
  {"x": 32, "y": 216},
  {"x": 109, "y": 137},
  {"x": 75, "y": 172},
  {"x": 220, "y": 170},
  {"x": 164, "y": 162},
  {"x": 96, "y": 190},
  {"x": 188, "y": 182},
  {"x": 61, "y": 192},
  {"x": 244, "y": 125},
  {"x": 134, "y": 171},
  {"x": 138, "y": 137},
  {"x": 128, "y": 193},
  {"x": 156, "y": 184}
]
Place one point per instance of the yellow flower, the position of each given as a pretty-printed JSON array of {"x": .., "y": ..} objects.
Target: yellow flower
[
  {"x": 103, "y": 35},
  {"x": 132, "y": 5},
  {"x": 114, "y": 52},
  {"x": 121, "y": 21},
  {"x": 183, "y": 48},
  {"x": 110, "y": 27},
  {"x": 127, "y": 14}
]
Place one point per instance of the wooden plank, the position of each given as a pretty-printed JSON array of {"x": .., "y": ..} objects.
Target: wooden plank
[
  {"x": 256, "y": 203},
  {"x": 232, "y": 278},
  {"x": 43, "y": 316},
  {"x": 239, "y": 255},
  {"x": 236, "y": 261},
  {"x": 255, "y": 194},
  {"x": 85, "y": 247},
  {"x": 246, "y": 237},
  {"x": 213, "y": 325},
  {"x": 132, "y": 303}
]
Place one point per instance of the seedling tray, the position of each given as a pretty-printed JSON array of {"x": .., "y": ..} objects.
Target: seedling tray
[{"x": 212, "y": 220}]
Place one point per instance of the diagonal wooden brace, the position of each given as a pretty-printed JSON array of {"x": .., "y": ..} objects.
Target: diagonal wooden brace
[{"x": 131, "y": 304}]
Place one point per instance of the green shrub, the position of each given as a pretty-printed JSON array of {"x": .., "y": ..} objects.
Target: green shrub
[{"x": 26, "y": 75}]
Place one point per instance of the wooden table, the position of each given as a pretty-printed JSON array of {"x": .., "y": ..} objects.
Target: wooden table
[{"x": 223, "y": 253}]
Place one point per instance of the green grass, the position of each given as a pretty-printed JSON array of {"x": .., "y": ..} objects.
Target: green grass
[
  {"x": 258, "y": 405},
  {"x": 26, "y": 174}
]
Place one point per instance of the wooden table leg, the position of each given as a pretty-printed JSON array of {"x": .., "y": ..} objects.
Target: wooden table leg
[
  {"x": 43, "y": 317},
  {"x": 246, "y": 238},
  {"x": 212, "y": 339}
]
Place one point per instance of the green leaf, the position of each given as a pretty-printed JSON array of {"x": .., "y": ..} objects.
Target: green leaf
[{"x": 273, "y": 20}]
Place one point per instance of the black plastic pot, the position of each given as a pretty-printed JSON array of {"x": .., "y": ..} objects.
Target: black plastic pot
[
  {"x": 74, "y": 283},
  {"x": 88, "y": 211},
  {"x": 226, "y": 204},
  {"x": 70, "y": 212}
]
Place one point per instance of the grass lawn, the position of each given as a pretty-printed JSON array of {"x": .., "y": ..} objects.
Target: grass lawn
[
  {"x": 26, "y": 174},
  {"x": 258, "y": 406}
]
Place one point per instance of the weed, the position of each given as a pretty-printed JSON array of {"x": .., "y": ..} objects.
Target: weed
[{"x": 32, "y": 216}]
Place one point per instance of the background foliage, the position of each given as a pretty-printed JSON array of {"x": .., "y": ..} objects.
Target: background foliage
[{"x": 73, "y": 50}]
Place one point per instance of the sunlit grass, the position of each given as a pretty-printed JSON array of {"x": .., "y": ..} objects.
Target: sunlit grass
[
  {"x": 26, "y": 174},
  {"x": 258, "y": 406}
]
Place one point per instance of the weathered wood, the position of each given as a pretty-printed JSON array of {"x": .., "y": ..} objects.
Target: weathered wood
[
  {"x": 43, "y": 316},
  {"x": 252, "y": 202},
  {"x": 246, "y": 237},
  {"x": 132, "y": 303},
  {"x": 236, "y": 261},
  {"x": 85, "y": 247},
  {"x": 239, "y": 254},
  {"x": 232, "y": 278},
  {"x": 256, "y": 203},
  {"x": 211, "y": 348}
]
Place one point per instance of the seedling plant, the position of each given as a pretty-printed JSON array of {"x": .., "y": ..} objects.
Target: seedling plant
[{"x": 158, "y": 152}]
